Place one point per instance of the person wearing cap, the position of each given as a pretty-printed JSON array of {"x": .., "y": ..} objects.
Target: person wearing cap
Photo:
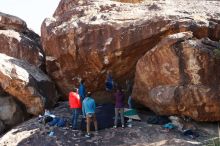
[
  {"x": 75, "y": 106},
  {"x": 88, "y": 110}
]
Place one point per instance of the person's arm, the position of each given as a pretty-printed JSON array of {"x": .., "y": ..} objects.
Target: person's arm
[
  {"x": 112, "y": 81},
  {"x": 69, "y": 99},
  {"x": 94, "y": 106},
  {"x": 107, "y": 78},
  {"x": 80, "y": 91},
  {"x": 123, "y": 97}
]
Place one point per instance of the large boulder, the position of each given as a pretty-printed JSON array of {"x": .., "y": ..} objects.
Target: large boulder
[
  {"x": 27, "y": 83},
  {"x": 28, "y": 89},
  {"x": 16, "y": 40},
  {"x": 2, "y": 127},
  {"x": 85, "y": 39},
  {"x": 180, "y": 76},
  {"x": 11, "y": 22},
  {"x": 11, "y": 112}
]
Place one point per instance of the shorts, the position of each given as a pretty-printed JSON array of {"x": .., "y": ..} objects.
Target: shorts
[{"x": 90, "y": 115}]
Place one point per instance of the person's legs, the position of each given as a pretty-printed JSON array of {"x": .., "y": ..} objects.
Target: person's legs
[
  {"x": 88, "y": 120},
  {"x": 82, "y": 120},
  {"x": 95, "y": 122},
  {"x": 122, "y": 116},
  {"x": 73, "y": 118},
  {"x": 129, "y": 102},
  {"x": 116, "y": 116},
  {"x": 76, "y": 117},
  {"x": 129, "y": 106}
]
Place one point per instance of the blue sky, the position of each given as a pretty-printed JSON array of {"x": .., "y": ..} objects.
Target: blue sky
[{"x": 33, "y": 12}]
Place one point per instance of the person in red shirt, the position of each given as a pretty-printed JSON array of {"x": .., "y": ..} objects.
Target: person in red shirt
[{"x": 75, "y": 106}]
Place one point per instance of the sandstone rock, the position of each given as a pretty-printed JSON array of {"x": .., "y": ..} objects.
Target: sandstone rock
[
  {"x": 85, "y": 39},
  {"x": 11, "y": 22},
  {"x": 2, "y": 127},
  {"x": 11, "y": 113},
  {"x": 180, "y": 76},
  {"x": 27, "y": 83},
  {"x": 16, "y": 40}
]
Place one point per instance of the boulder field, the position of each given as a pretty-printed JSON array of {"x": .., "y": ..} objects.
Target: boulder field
[{"x": 166, "y": 48}]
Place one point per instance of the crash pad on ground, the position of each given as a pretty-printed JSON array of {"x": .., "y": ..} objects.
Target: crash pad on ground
[{"x": 105, "y": 117}]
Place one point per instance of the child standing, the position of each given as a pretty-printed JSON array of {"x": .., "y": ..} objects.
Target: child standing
[{"x": 88, "y": 109}]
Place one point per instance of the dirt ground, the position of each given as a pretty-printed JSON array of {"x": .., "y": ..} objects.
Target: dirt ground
[{"x": 32, "y": 133}]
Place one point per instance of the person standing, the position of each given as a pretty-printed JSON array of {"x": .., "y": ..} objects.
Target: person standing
[
  {"x": 82, "y": 91},
  {"x": 75, "y": 106},
  {"x": 119, "y": 107},
  {"x": 129, "y": 92},
  {"x": 88, "y": 110}
]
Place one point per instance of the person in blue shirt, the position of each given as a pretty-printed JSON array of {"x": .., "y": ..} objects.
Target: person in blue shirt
[
  {"x": 109, "y": 83},
  {"x": 82, "y": 91},
  {"x": 88, "y": 110}
]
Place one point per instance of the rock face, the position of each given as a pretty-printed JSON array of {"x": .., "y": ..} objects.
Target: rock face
[
  {"x": 11, "y": 112},
  {"x": 85, "y": 39},
  {"x": 27, "y": 83},
  {"x": 11, "y": 22},
  {"x": 29, "y": 90},
  {"x": 2, "y": 127},
  {"x": 18, "y": 41},
  {"x": 180, "y": 76}
]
